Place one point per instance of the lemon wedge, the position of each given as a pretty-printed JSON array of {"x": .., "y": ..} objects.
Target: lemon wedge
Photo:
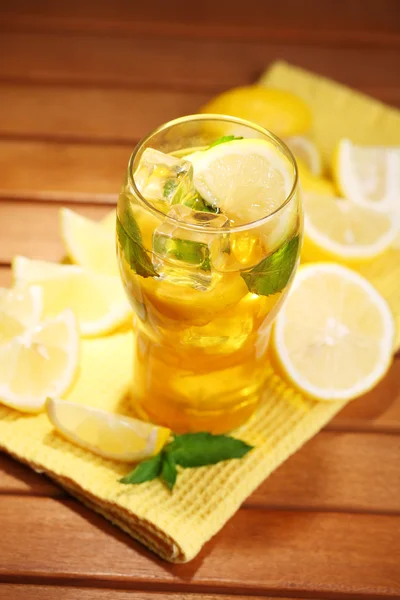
[
  {"x": 246, "y": 179},
  {"x": 90, "y": 244},
  {"x": 333, "y": 338},
  {"x": 368, "y": 176},
  {"x": 37, "y": 359},
  {"x": 277, "y": 110},
  {"x": 107, "y": 434},
  {"x": 19, "y": 310},
  {"x": 335, "y": 228},
  {"x": 306, "y": 150},
  {"x": 97, "y": 300}
]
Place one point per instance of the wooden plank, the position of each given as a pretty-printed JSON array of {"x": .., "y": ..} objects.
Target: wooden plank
[
  {"x": 42, "y": 592},
  {"x": 379, "y": 410},
  {"x": 5, "y": 276},
  {"x": 16, "y": 478},
  {"x": 337, "y": 472},
  {"x": 107, "y": 115},
  {"x": 33, "y": 229},
  {"x": 329, "y": 22},
  {"x": 64, "y": 172},
  {"x": 335, "y": 555},
  {"x": 204, "y": 65},
  {"x": 332, "y": 472}
]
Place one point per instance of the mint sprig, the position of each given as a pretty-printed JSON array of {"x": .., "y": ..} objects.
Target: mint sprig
[
  {"x": 145, "y": 471},
  {"x": 189, "y": 450},
  {"x": 272, "y": 274},
  {"x": 224, "y": 139}
]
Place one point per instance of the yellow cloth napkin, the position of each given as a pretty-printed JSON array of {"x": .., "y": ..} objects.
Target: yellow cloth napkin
[
  {"x": 177, "y": 525},
  {"x": 337, "y": 110}
]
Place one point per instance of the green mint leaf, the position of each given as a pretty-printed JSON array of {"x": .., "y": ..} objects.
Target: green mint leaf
[
  {"x": 130, "y": 239},
  {"x": 170, "y": 188},
  {"x": 145, "y": 471},
  {"x": 168, "y": 470},
  {"x": 272, "y": 274},
  {"x": 201, "y": 449},
  {"x": 224, "y": 139},
  {"x": 197, "y": 203}
]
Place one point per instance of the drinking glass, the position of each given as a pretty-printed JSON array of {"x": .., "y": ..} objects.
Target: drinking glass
[{"x": 204, "y": 290}]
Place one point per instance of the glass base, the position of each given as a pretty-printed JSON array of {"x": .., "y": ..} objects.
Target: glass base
[{"x": 184, "y": 420}]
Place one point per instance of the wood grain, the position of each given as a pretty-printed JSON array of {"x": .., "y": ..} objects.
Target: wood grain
[
  {"x": 202, "y": 65},
  {"x": 51, "y": 171},
  {"x": 16, "y": 478},
  {"x": 337, "y": 472},
  {"x": 90, "y": 114},
  {"x": 309, "y": 22},
  {"x": 41, "y": 592},
  {"x": 5, "y": 276},
  {"x": 333, "y": 472},
  {"x": 303, "y": 551}
]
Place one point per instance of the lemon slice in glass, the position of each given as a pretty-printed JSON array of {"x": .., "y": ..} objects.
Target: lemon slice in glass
[
  {"x": 90, "y": 244},
  {"x": 333, "y": 338},
  {"x": 368, "y": 176},
  {"x": 335, "y": 228},
  {"x": 246, "y": 179},
  {"x": 107, "y": 434},
  {"x": 98, "y": 300},
  {"x": 37, "y": 359}
]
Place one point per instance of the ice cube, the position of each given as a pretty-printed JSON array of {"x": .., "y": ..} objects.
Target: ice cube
[
  {"x": 184, "y": 255},
  {"x": 164, "y": 179}
]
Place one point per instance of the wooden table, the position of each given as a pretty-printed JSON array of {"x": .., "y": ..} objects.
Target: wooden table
[{"x": 80, "y": 83}]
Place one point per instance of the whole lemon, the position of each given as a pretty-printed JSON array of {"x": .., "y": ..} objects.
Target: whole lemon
[{"x": 281, "y": 112}]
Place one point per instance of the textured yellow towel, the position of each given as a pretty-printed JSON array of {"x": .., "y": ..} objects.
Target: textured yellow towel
[{"x": 177, "y": 525}]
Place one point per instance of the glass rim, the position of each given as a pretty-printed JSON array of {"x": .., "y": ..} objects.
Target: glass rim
[{"x": 213, "y": 117}]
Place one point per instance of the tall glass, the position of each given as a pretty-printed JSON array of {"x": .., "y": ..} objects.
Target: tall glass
[{"x": 204, "y": 294}]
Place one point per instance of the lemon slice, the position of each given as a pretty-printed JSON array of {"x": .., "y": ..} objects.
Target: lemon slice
[
  {"x": 105, "y": 433},
  {"x": 246, "y": 179},
  {"x": 280, "y": 111},
  {"x": 19, "y": 310},
  {"x": 41, "y": 360},
  {"x": 306, "y": 150},
  {"x": 333, "y": 338},
  {"x": 97, "y": 300},
  {"x": 337, "y": 228},
  {"x": 369, "y": 176},
  {"x": 89, "y": 244}
]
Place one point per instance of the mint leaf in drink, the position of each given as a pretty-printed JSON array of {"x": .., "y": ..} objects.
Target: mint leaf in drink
[
  {"x": 201, "y": 449},
  {"x": 145, "y": 471},
  {"x": 197, "y": 203},
  {"x": 272, "y": 274},
  {"x": 170, "y": 188},
  {"x": 168, "y": 470},
  {"x": 131, "y": 243},
  {"x": 224, "y": 139}
]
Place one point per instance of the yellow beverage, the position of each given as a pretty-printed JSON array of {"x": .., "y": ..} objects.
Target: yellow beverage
[{"x": 205, "y": 273}]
